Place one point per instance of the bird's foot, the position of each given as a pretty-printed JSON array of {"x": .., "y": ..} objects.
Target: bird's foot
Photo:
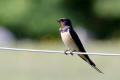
[
  {"x": 69, "y": 52},
  {"x": 66, "y": 52}
]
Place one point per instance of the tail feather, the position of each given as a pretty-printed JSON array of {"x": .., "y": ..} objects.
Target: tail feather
[
  {"x": 97, "y": 69},
  {"x": 89, "y": 61},
  {"x": 94, "y": 66}
]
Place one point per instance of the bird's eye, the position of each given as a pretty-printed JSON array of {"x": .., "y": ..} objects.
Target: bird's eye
[{"x": 62, "y": 20}]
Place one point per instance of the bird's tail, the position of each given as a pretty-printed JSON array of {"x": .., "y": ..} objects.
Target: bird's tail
[
  {"x": 94, "y": 66},
  {"x": 97, "y": 69},
  {"x": 89, "y": 61}
]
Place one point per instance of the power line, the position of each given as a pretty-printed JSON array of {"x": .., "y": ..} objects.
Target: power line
[{"x": 53, "y": 51}]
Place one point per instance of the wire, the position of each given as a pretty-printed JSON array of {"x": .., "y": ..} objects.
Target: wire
[{"x": 53, "y": 51}]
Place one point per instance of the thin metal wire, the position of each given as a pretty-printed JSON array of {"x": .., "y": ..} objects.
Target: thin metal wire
[{"x": 53, "y": 51}]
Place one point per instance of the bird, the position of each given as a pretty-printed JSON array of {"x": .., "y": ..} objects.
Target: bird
[{"x": 72, "y": 41}]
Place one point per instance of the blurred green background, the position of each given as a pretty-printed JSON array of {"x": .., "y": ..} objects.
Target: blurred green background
[
  {"x": 36, "y": 18},
  {"x": 32, "y": 24}
]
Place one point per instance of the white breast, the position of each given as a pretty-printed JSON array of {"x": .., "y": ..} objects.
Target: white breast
[{"x": 68, "y": 41}]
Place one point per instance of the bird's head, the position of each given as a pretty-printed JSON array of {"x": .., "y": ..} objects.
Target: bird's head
[{"x": 64, "y": 22}]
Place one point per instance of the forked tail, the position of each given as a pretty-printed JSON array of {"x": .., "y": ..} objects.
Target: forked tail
[
  {"x": 97, "y": 69},
  {"x": 94, "y": 66},
  {"x": 89, "y": 61}
]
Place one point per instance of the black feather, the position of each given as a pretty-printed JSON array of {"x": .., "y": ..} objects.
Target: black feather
[{"x": 79, "y": 44}]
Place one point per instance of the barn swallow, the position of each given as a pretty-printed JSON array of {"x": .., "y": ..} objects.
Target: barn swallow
[{"x": 72, "y": 41}]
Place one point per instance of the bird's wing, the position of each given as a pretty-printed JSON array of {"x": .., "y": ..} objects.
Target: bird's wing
[
  {"x": 77, "y": 40},
  {"x": 81, "y": 48}
]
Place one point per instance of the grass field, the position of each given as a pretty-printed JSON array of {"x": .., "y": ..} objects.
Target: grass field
[{"x": 19, "y": 65}]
